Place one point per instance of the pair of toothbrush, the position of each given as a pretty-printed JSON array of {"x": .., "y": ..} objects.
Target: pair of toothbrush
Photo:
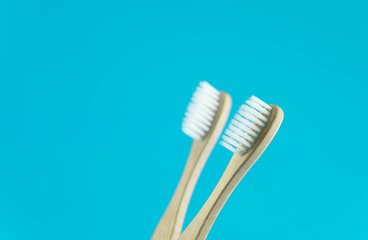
[{"x": 248, "y": 135}]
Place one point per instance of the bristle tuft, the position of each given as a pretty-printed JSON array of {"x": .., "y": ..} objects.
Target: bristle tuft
[
  {"x": 246, "y": 126},
  {"x": 201, "y": 111}
]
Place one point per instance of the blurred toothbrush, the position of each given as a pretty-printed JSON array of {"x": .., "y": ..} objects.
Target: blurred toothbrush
[{"x": 204, "y": 121}]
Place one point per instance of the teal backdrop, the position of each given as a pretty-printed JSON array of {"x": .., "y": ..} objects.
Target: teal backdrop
[{"x": 92, "y": 95}]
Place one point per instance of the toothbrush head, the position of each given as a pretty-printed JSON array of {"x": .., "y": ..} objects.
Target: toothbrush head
[
  {"x": 246, "y": 126},
  {"x": 201, "y": 111}
]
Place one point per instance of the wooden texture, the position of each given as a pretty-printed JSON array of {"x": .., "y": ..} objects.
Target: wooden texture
[
  {"x": 235, "y": 171},
  {"x": 171, "y": 222}
]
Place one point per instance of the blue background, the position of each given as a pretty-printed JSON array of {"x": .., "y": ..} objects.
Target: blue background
[{"x": 92, "y": 95}]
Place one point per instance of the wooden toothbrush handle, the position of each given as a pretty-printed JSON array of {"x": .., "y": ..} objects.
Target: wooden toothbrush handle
[
  {"x": 199, "y": 228},
  {"x": 202, "y": 223},
  {"x": 171, "y": 222}
]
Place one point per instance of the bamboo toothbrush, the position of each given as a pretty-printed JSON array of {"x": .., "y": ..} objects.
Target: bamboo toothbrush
[
  {"x": 248, "y": 135},
  {"x": 204, "y": 121}
]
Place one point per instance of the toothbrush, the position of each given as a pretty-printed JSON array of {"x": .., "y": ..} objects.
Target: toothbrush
[
  {"x": 204, "y": 121},
  {"x": 248, "y": 135}
]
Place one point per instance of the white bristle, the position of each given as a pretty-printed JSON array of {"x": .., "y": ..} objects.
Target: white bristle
[
  {"x": 246, "y": 126},
  {"x": 201, "y": 111}
]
